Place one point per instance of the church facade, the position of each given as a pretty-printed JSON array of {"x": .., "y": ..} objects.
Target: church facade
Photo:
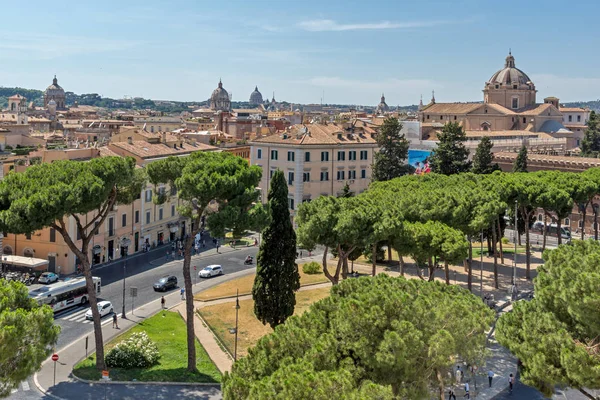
[{"x": 509, "y": 109}]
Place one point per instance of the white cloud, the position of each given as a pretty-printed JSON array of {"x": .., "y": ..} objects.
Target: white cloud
[
  {"x": 53, "y": 46},
  {"x": 329, "y": 25}
]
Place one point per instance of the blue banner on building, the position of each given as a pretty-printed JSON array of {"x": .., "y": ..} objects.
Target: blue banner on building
[{"x": 419, "y": 159}]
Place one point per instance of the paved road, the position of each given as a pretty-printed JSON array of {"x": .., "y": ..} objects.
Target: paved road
[
  {"x": 524, "y": 392},
  {"x": 143, "y": 272}
]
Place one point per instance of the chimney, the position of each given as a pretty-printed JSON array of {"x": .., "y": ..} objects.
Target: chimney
[
  {"x": 130, "y": 140},
  {"x": 164, "y": 137}
]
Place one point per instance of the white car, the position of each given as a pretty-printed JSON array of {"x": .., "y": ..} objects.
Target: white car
[
  {"x": 104, "y": 308},
  {"x": 48, "y": 277},
  {"x": 211, "y": 270}
]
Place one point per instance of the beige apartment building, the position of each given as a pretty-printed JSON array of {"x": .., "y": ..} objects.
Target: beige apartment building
[
  {"x": 316, "y": 160},
  {"x": 128, "y": 229}
]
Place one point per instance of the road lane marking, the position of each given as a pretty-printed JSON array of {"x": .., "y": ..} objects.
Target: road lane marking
[{"x": 25, "y": 386}]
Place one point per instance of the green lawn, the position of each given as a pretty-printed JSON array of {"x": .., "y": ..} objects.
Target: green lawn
[{"x": 167, "y": 329}]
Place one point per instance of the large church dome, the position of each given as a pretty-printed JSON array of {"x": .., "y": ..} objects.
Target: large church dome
[
  {"x": 55, "y": 92},
  {"x": 510, "y": 74},
  {"x": 256, "y": 97},
  {"x": 219, "y": 100}
]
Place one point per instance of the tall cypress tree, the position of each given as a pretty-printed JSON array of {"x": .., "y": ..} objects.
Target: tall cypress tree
[
  {"x": 390, "y": 159},
  {"x": 520, "y": 164},
  {"x": 483, "y": 158},
  {"x": 451, "y": 156},
  {"x": 277, "y": 278}
]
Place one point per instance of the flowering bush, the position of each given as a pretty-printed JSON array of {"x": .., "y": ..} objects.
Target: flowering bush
[{"x": 138, "y": 351}]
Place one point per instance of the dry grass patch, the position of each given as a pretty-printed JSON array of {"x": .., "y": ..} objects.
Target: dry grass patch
[
  {"x": 244, "y": 284},
  {"x": 221, "y": 317}
]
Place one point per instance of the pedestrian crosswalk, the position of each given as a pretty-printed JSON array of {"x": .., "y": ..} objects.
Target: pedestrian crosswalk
[{"x": 77, "y": 314}]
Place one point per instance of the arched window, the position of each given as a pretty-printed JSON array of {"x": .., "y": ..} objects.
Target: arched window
[
  {"x": 540, "y": 217},
  {"x": 28, "y": 252},
  {"x": 7, "y": 250},
  {"x": 567, "y": 222}
]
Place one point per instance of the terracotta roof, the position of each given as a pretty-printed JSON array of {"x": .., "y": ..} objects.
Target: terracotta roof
[
  {"x": 500, "y": 108},
  {"x": 556, "y": 160},
  {"x": 106, "y": 152},
  {"x": 316, "y": 134},
  {"x": 248, "y": 110},
  {"x": 451, "y": 108},
  {"x": 534, "y": 109},
  {"x": 501, "y": 133},
  {"x": 144, "y": 149},
  {"x": 573, "y": 109},
  {"x": 570, "y": 127}
]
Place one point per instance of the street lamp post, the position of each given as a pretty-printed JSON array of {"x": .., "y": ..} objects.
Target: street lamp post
[
  {"x": 481, "y": 266},
  {"x": 237, "y": 308},
  {"x": 124, "y": 276},
  {"x": 595, "y": 208},
  {"x": 514, "y": 277}
]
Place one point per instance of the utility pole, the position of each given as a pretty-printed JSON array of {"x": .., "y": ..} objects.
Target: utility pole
[
  {"x": 514, "y": 277},
  {"x": 481, "y": 266},
  {"x": 124, "y": 276},
  {"x": 237, "y": 308}
]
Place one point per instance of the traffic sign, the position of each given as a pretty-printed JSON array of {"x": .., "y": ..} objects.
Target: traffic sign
[
  {"x": 105, "y": 375},
  {"x": 55, "y": 357},
  {"x": 133, "y": 291}
]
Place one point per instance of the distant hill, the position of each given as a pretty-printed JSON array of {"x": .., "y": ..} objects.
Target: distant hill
[
  {"x": 37, "y": 96},
  {"x": 592, "y": 105}
]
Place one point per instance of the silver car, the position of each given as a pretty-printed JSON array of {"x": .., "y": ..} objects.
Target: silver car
[{"x": 210, "y": 271}]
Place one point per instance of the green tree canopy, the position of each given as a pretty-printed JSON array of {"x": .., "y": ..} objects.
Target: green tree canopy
[
  {"x": 390, "y": 160},
  {"x": 202, "y": 179},
  {"x": 556, "y": 335},
  {"x": 277, "y": 278},
  {"x": 48, "y": 195},
  {"x": 590, "y": 146},
  {"x": 451, "y": 156},
  {"x": 378, "y": 334},
  {"x": 520, "y": 164},
  {"x": 483, "y": 160},
  {"x": 27, "y": 335}
]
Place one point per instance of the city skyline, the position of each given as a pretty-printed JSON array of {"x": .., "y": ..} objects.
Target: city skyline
[{"x": 347, "y": 51}]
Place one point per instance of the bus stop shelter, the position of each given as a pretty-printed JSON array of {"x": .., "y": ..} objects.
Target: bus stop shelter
[{"x": 26, "y": 264}]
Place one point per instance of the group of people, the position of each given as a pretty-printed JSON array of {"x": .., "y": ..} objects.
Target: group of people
[{"x": 459, "y": 376}]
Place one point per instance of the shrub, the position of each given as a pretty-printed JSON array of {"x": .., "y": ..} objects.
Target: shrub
[
  {"x": 312, "y": 268},
  {"x": 504, "y": 240},
  {"x": 138, "y": 351}
]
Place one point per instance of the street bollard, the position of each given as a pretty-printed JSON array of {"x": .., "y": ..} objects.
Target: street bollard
[{"x": 86, "y": 346}]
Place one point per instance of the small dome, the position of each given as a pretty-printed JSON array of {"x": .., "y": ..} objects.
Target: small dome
[
  {"x": 256, "y": 97},
  {"x": 382, "y": 107},
  {"x": 51, "y": 103},
  {"x": 510, "y": 75},
  {"x": 219, "y": 100}
]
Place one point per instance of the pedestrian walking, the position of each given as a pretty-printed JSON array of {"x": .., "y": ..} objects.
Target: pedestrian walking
[
  {"x": 490, "y": 377},
  {"x": 511, "y": 382},
  {"x": 300, "y": 253},
  {"x": 255, "y": 242},
  {"x": 451, "y": 395},
  {"x": 458, "y": 374},
  {"x": 182, "y": 291},
  {"x": 203, "y": 243},
  {"x": 467, "y": 394},
  {"x": 162, "y": 302},
  {"x": 115, "y": 322},
  {"x": 217, "y": 246}
]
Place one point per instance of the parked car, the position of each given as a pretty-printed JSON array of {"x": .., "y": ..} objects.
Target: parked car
[
  {"x": 48, "y": 277},
  {"x": 165, "y": 283},
  {"x": 104, "y": 308},
  {"x": 211, "y": 270}
]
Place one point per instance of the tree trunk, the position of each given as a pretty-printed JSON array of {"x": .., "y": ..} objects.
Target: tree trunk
[
  {"x": 494, "y": 239},
  {"x": 82, "y": 255},
  {"x": 374, "y": 259},
  {"x": 447, "y": 271},
  {"x": 470, "y": 266},
  {"x": 431, "y": 270},
  {"x": 583, "y": 215},
  {"x": 189, "y": 298},
  {"x": 545, "y": 231},
  {"x": 489, "y": 242},
  {"x": 526, "y": 217},
  {"x": 500, "y": 241},
  {"x": 389, "y": 254},
  {"x": 401, "y": 260},
  {"x": 325, "y": 270},
  {"x": 440, "y": 380}
]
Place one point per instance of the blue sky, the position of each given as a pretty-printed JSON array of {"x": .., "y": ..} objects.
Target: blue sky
[{"x": 350, "y": 50}]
